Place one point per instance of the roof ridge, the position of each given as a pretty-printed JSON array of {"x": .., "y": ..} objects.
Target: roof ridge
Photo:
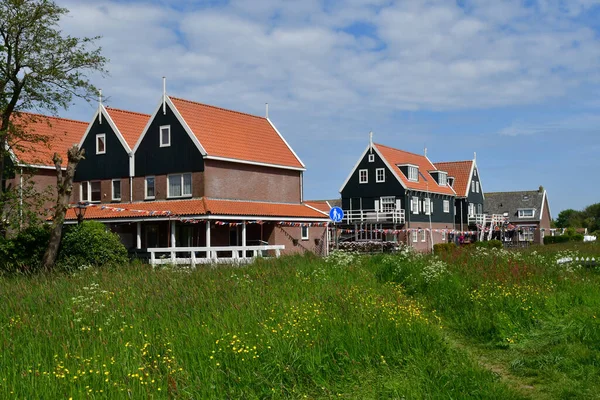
[
  {"x": 404, "y": 151},
  {"x": 127, "y": 111},
  {"x": 53, "y": 117},
  {"x": 453, "y": 162},
  {"x": 517, "y": 191},
  {"x": 217, "y": 107}
]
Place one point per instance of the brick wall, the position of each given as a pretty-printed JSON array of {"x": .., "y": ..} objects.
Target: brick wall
[{"x": 139, "y": 187}]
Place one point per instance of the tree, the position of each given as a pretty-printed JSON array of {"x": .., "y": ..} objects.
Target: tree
[
  {"x": 40, "y": 68},
  {"x": 569, "y": 218}
]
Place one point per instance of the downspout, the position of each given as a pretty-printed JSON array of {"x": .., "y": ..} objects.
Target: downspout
[
  {"x": 409, "y": 212},
  {"x": 461, "y": 217},
  {"x": 301, "y": 186},
  {"x": 131, "y": 177},
  {"x": 21, "y": 199}
]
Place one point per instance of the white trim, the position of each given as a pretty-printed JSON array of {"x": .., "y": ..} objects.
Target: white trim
[
  {"x": 470, "y": 178},
  {"x": 205, "y": 217},
  {"x": 103, "y": 137},
  {"x": 360, "y": 180},
  {"x": 160, "y": 136},
  {"x": 408, "y": 174},
  {"x": 407, "y": 165},
  {"x": 38, "y": 166},
  {"x": 371, "y": 157},
  {"x": 542, "y": 208},
  {"x": 446, "y": 206},
  {"x": 302, "y": 236},
  {"x": 146, "y": 197},
  {"x": 423, "y": 236},
  {"x": 112, "y": 190},
  {"x": 112, "y": 125},
  {"x": 519, "y": 210},
  {"x": 89, "y": 188},
  {"x": 235, "y": 160},
  {"x": 316, "y": 209},
  {"x": 377, "y": 180},
  {"x": 182, "y": 195},
  {"x": 286, "y": 143}
]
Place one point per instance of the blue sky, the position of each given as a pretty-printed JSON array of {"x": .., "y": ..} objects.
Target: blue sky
[{"x": 518, "y": 82}]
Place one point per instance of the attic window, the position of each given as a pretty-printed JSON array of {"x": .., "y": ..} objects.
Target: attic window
[
  {"x": 101, "y": 143},
  {"x": 165, "y": 136},
  {"x": 371, "y": 157},
  {"x": 451, "y": 181},
  {"x": 526, "y": 213},
  {"x": 443, "y": 179},
  {"x": 413, "y": 173}
]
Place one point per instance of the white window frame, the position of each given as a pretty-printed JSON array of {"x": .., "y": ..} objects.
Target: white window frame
[
  {"x": 479, "y": 208},
  {"x": 414, "y": 204},
  {"x": 169, "y": 196},
  {"x": 475, "y": 172},
  {"x": 377, "y": 171},
  {"x": 415, "y": 237},
  {"x": 423, "y": 235},
  {"x": 522, "y": 213},
  {"x": 472, "y": 186},
  {"x": 413, "y": 173},
  {"x": 477, "y": 186},
  {"x": 471, "y": 210},
  {"x": 371, "y": 157},
  {"x": 447, "y": 206},
  {"x": 526, "y": 234},
  {"x": 89, "y": 192},
  {"x": 360, "y": 176},
  {"x": 443, "y": 179},
  {"x": 160, "y": 136},
  {"x": 304, "y": 232},
  {"x": 146, "y": 197},
  {"x": 387, "y": 203},
  {"x": 103, "y": 137},
  {"x": 112, "y": 190},
  {"x": 427, "y": 206}
]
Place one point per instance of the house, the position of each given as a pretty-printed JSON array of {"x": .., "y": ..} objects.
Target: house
[
  {"x": 393, "y": 194},
  {"x": 527, "y": 213},
  {"x": 465, "y": 179},
  {"x": 30, "y": 168},
  {"x": 196, "y": 175}
]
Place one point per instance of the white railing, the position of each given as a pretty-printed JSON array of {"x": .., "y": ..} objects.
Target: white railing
[
  {"x": 477, "y": 219},
  {"x": 395, "y": 216},
  {"x": 213, "y": 254},
  {"x": 483, "y": 219}
]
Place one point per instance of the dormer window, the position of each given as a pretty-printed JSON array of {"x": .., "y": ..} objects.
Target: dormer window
[
  {"x": 413, "y": 173},
  {"x": 371, "y": 157},
  {"x": 165, "y": 136},
  {"x": 101, "y": 143},
  {"x": 443, "y": 179},
  {"x": 526, "y": 213},
  {"x": 451, "y": 181}
]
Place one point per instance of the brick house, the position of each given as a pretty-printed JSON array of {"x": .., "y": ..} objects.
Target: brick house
[
  {"x": 396, "y": 195},
  {"x": 195, "y": 175}
]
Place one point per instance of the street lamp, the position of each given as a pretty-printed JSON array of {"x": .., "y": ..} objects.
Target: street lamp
[{"x": 80, "y": 209}]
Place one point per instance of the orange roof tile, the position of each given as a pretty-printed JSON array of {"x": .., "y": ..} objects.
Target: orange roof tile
[
  {"x": 461, "y": 171},
  {"x": 396, "y": 157},
  {"x": 59, "y": 135},
  {"x": 196, "y": 207},
  {"x": 130, "y": 124},
  {"x": 232, "y": 134}
]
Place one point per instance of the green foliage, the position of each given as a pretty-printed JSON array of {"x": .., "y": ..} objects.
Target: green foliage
[
  {"x": 570, "y": 235},
  {"x": 489, "y": 244},
  {"x": 556, "y": 239},
  {"x": 91, "y": 244},
  {"x": 24, "y": 252},
  {"x": 444, "y": 247}
]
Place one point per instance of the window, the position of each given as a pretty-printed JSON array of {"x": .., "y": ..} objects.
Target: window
[
  {"x": 388, "y": 204},
  {"x": 479, "y": 208},
  {"x": 380, "y": 175},
  {"x": 526, "y": 234},
  {"x": 413, "y": 173},
  {"x": 91, "y": 191},
  {"x": 451, "y": 181},
  {"x": 371, "y": 157},
  {"x": 101, "y": 143},
  {"x": 446, "y": 206},
  {"x": 363, "y": 176},
  {"x": 165, "y": 135},
  {"x": 443, "y": 179},
  {"x": 477, "y": 186},
  {"x": 526, "y": 213},
  {"x": 116, "y": 189},
  {"x": 305, "y": 233},
  {"x": 471, "y": 209},
  {"x": 415, "y": 237},
  {"x": 423, "y": 235},
  {"x": 180, "y": 185},
  {"x": 150, "y": 187},
  {"x": 427, "y": 206},
  {"x": 414, "y": 205},
  {"x": 473, "y": 186},
  {"x": 475, "y": 172}
]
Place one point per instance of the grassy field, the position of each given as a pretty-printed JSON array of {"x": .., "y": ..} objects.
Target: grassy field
[{"x": 476, "y": 323}]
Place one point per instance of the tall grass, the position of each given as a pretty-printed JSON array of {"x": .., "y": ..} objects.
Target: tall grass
[{"x": 289, "y": 328}]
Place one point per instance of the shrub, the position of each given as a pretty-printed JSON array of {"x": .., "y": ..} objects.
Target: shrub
[
  {"x": 24, "y": 252},
  {"x": 572, "y": 237},
  {"x": 444, "y": 248},
  {"x": 90, "y": 243},
  {"x": 489, "y": 244},
  {"x": 577, "y": 237},
  {"x": 368, "y": 247}
]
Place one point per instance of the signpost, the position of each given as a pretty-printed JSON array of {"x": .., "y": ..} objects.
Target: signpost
[{"x": 336, "y": 214}]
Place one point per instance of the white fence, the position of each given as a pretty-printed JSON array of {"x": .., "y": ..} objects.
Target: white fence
[
  {"x": 222, "y": 254},
  {"x": 394, "y": 216}
]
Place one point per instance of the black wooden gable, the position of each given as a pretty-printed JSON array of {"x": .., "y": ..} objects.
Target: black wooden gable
[
  {"x": 114, "y": 163},
  {"x": 181, "y": 155}
]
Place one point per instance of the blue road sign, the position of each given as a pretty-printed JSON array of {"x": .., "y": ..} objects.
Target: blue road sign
[{"x": 336, "y": 214}]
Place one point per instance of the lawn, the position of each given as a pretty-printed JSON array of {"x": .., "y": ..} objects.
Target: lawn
[{"x": 476, "y": 323}]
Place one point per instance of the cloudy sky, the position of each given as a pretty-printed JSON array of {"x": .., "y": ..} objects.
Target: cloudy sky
[{"x": 517, "y": 82}]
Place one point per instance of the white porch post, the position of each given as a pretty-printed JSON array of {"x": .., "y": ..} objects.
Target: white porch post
[
  {"x": 138, "y": 235},
  {"x": 244, "y": 239},
  {"x": 208, "y": 255},
  {"x": 172, "y": 233}
]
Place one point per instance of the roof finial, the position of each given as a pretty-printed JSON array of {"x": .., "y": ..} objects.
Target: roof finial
[
  {"x": 100, "y": 105},
  {"x": 371, "y": 141},
  {"x": 267, "y": 110},
  {"x": 474, "y": 156},
  {"x": 425, "y": 151},
  {"x": 164, "y": 96}
]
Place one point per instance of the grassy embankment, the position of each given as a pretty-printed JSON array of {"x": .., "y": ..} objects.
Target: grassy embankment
[{"x": 481, "y": 323}]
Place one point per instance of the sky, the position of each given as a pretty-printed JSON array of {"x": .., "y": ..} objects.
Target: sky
[{"x": 516, "y": 82}]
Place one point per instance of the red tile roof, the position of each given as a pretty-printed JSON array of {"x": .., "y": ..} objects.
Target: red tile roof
[
  {"x": 129, "y": 123},
  {"x": 232, "y": 134},
  {"x": 396, "y": 157},
  {"x": 461, "y": 171},
  {"x": 320, "y": 205},
  {"x": 197, "y": 207},
  {"x": 59, "y": 135}
]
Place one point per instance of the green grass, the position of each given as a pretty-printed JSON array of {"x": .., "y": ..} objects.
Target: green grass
[{"x": 475, "y": 324}]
